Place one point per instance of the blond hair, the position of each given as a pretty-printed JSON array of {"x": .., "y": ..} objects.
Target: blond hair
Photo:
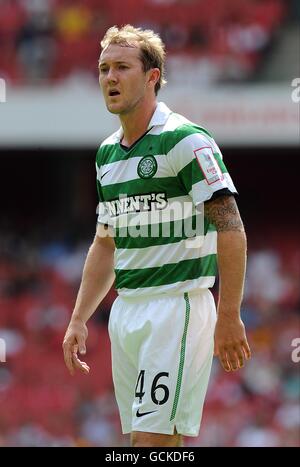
[{"x": 151, "y": 46}]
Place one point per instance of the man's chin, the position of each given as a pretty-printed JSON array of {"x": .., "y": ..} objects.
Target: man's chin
[{"x": 114, "y": 109}]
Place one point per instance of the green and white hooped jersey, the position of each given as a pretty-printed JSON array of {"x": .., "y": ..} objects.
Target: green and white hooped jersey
[{"x": 152, "y": 194}]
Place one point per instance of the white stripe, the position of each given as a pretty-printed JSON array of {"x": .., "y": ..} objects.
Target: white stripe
[
  {"x": 202, "y": 191},
  {"x": 98, "y": 171},
  {"x": 125, "y": 171},
  {"x": 103, "y": 216},
  {"x": 168, "y": 165},
  {"x": 112, "y": 139},
  {"x": 178, "y": 208},
  {"x": 174, "y": 121},
  {"x": 175, "y": 288},
  {"x": 178, "y": 157},
  {"x": 159, "y": 255},
  {"x": 183, "y": 152}
]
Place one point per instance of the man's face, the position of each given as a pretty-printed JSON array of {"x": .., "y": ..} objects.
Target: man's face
[{"x": 121, "y": 77}]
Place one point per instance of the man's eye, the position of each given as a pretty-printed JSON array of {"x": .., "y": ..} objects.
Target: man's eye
[
  {"x": 122, "y": 67},
  {"x": 103, "y": 70}
]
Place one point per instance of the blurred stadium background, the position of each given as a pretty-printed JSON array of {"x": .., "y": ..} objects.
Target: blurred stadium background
[{"x": 230, "y": 68}]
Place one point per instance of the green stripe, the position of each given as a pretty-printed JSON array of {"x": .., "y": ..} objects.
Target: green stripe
[
  {"x": 165, "y": 233},
  {"x": 220, "y": 162},
  {"x": 168, "y": 185},
  {"x": 182, "y": 356},
  {"x": 188, "y": 269},
  {"x": 149, "y": 144},
  {"x": 173, "y": 137},
  {"x": 191, "y": 173},
  {"x": 99, "y": 190}
]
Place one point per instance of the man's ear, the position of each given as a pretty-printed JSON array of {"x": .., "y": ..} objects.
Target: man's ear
[{"x": 154, "y": 75}]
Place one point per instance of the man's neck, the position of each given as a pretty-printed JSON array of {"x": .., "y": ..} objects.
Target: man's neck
[{"x": 135, "y": 123}]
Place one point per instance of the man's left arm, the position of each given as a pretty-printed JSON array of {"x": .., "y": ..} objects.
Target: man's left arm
[{"x": 231, "y": 344}]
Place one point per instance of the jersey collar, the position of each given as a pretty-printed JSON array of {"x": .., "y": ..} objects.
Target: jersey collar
[{"x": 160, "y": 116}]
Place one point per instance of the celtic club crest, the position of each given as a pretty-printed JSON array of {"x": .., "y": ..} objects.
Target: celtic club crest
[{"x": 147, "y": 167}]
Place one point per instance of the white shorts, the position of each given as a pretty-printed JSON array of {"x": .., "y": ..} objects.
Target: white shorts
[{"x": 162, "y": 349}]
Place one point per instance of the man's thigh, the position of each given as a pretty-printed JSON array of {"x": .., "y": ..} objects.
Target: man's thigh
[{"x": 142, "y": 439}]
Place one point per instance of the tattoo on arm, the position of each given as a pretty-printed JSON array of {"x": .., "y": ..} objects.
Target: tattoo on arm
[{"x": 224, "y": 214}]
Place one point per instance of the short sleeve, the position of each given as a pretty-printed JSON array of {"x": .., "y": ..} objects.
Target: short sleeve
[{"x": 198, "y": 163}]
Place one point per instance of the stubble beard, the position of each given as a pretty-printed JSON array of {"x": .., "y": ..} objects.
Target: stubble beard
[{"x": 127, "y": 107}]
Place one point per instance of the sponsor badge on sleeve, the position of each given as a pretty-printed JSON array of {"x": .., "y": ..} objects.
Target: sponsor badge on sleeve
[{"x": 208, "y": 165}]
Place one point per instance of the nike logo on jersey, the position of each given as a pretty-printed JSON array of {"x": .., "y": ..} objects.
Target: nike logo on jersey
[
  {"x": 104, "y": 174},
  {"x": 138, "y": 414}
]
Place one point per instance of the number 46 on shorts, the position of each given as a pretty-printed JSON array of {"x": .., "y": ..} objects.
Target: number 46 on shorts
[{"x": 159, "y": 398}]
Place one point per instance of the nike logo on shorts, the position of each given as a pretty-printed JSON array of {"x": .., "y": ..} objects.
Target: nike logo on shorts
[{"x": 138, "y": 414}]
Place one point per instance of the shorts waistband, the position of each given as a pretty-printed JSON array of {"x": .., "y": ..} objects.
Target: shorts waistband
[{"x": 146, "y": 298}]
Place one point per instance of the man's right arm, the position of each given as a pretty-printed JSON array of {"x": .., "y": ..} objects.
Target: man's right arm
[
  {"x": 97, "y": 279},
  {"x": 97, "y": 276}
]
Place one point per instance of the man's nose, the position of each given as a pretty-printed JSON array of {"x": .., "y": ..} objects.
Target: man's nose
[{"x": 112, "y": 76}]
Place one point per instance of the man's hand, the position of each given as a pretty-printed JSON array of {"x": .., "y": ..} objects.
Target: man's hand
[
  {"x": 97, "y": 278},
  {"x": 231, "y": 344},
  {"x": 74, "y": 341}
]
